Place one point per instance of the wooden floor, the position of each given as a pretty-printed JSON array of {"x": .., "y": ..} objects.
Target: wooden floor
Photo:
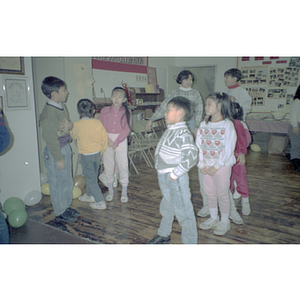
[{"x": 274, "y": 199}]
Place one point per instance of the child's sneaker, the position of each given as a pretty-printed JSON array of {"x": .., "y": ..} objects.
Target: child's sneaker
[
  {"x": 124, "y": 199},
  {"x": 86, "y": 198},
  {"x": 236, "y": 195},
  {"x": 246, "y": 209},
  {"x": 208, "y": 224},
  {"x": 109, "y": 197},
  {"x": 160, "y": 240},
  {"x": 66, "y": 218},
  {"x": 98, "y": 205},
  {"x": 235, "y": 217},
  {"x": 222, "y": 228},
  {"x": 102, "y": 178},
  {"x": 203, "y": 212}
]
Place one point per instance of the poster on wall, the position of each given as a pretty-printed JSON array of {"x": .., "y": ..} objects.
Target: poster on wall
[{"x": 270, "y": 81}]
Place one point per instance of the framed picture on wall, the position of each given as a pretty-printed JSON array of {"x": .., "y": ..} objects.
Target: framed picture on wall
[
  {"x": 151, "y": 72},
  {"x": 12, "y": 65},
  {"x": 16, "y": 93}
]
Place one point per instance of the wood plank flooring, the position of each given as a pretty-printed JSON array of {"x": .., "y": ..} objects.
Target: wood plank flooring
[{"x": 274, "y": 199}]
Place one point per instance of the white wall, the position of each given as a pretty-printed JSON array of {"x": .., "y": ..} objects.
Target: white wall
[{"x": 19, "y": 165}]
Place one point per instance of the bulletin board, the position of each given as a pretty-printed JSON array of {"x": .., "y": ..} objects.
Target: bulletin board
[{"x": 270, "y": 81}]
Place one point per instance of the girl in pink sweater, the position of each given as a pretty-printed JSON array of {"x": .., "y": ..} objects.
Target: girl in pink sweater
[{"x": 117, "y": 121}]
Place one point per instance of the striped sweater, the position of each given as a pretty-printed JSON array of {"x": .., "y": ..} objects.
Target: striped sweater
[{"x": 176, "y": 152}]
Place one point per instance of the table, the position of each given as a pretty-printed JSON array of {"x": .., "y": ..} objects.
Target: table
[{"x": 270, "y": 126}]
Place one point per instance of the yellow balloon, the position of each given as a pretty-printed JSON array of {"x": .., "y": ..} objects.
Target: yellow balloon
[
  {"x": 76, "y": 192},
  {"x": 255, "y": 148},
  {"x": 45, "y": 189},
  {"x": 79, "y": 181}
]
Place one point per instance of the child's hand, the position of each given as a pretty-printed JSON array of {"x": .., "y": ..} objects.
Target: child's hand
[
  {"x": 241, "y": 159},
  {"x": 203, "y": 171},
  {"x": 60, "y": 164},
  {"x": 171, "y": 178},
  {"x": 66, "y": 125},
  {"x": 110, "y": 143},
  {"x": 114, "y": 147},
  {"x": 211, "y": 171}
]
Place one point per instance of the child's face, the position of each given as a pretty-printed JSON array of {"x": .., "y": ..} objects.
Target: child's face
[
  {"x": 60, "y": 96},
  {"x": 229, "y": 80},
  {"x": 117, "y": 98},
  {"x": 211, "y": 107},
  {"x": 173, "y": 114},
  {"x": 187, "y": 83}
]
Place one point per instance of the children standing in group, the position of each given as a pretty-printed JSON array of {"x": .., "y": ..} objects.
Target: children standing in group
[
  {"x": 92, "y": 141},
  {"x": 238, "y": 173},
  {"x": 117, "y": 121},
  {"x": 57, "y": 154},
  {"x": 216, "y": 139},
  {"x": 175, "y": 155}
]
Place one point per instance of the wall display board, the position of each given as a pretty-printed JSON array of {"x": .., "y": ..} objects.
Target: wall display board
[{"x": 270, "y": 81}]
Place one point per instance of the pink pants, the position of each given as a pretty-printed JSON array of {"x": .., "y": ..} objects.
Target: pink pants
[
  {"x": 119, "y": 156},
  {"x": 238, "y": 175},
  {"x": 217, "y": 188}
]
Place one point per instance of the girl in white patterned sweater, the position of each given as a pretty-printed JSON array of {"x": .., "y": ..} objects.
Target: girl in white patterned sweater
[{"x": 216, "y": 139}]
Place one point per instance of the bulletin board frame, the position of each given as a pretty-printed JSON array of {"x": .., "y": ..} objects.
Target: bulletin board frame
[{"x": 270, "y": 81}]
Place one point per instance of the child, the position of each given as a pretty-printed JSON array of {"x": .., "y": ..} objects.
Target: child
[
  {"x": 238, "y": 173},
  {"x": 116, "y": 119},
  {"x": 175, "y": 155},
  {"x": 185, "y": 78},
  {"x": 216, "y": 140},
  {"x": 92, "y": 140},
  {"x": 237, "y": 93},
  {"x": 294, "y": 133},
  {"x": 57, "y": 154}
]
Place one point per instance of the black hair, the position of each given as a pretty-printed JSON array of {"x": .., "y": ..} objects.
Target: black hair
[
  {"x": 226, "y": 105},
  {"x": 124, "y": 104},
  {"x": 297, "y": 94},
  {"x": 234, "y": 73},
  {"x": 52, "y": 84},
  {"x": 180, "y": 102},
  {"x": 184, "y": 75},
  {"x": 238, "y": 112},
  {"x": 85, "y": 108}
]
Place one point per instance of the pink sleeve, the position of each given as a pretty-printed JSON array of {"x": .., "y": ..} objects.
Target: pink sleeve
[{"x": 125, "y": 132}]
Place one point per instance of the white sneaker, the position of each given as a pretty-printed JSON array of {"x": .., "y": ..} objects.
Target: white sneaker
[
  {"x": 203, "y": 212},
  {"x": 236, "y": 195},
  {"x": 109, "y": 197},
  {"x": 124, "y": 199},
  {"x": 246, "y": 209},
  {"x": 86, "y": 198},
  {"x": 102, "y": 178},
  {"x": 98, "y": 205},
  {"x": 115, "y": 183},
  {"x": 222, "y": 228},
  {"x": 208, "y": 224},
  {"x": 235, "y": 217}
]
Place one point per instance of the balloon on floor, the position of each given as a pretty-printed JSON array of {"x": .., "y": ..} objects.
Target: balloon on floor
[
  {"x": 76, "y": 192},
  {"x": 79, "y": 181},
  {"x": 33, "y": 198},
  {"x": 13, "y": 203},
  {"x": 45, "y": 189},
  {"x": 17, "y": 218},
  {"x": 255, "y": 148}
]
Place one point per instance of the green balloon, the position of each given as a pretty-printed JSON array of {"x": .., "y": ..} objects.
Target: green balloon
[
  {"x": 13, "y": 203},
  {"x": 17, "y": 218}
]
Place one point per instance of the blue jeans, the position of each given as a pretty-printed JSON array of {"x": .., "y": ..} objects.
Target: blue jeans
[
  {"x": 4, "y": 235},
  {"x": 90, "y": 167},
  {"x": 60, "y": 181},
  {"x": 177, "y": 202}
]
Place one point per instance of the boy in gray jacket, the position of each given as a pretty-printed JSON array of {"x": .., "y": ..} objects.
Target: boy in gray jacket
[{"x": 175, "y": 155}]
